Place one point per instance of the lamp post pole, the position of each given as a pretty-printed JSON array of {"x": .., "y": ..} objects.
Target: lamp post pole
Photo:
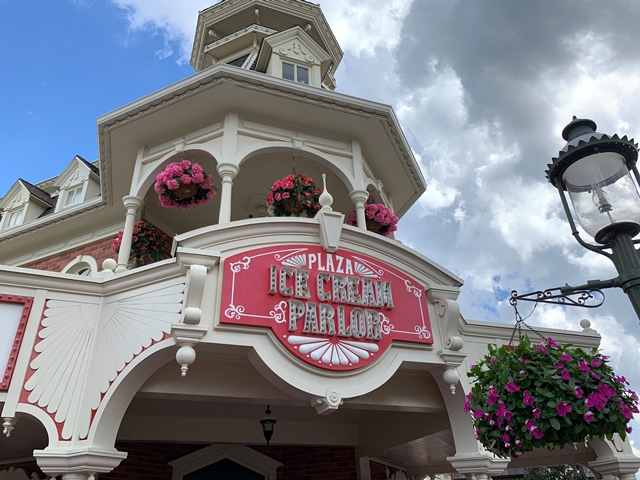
[{"x": 594, "y": 169}]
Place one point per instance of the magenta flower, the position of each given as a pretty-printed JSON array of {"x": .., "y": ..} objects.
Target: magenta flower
[
  {"x": 578, "y": 392},
  {"x": 596, "y": 400},
  {"x": 588, "y": 416},
  {"x": 541, "y": 348},
  {"x": 493, "y": 360},
  {"x": 524, "y": 360},
  {"x": 596, "y": 362},
  {"x": 625, "y": 410},
  {"x": 565, "y": 357},
  {"x": 559, "y": 366},
  {"x": 584, "y": 366},
  {"x": 536, "y": 412},
  {"x": 537, "y": 433},
  {"x": 505, "y": 438},
  {"x": 552, "y": 343},
  {"x": 512, "y": 387},
  {"x": 563, "y": 408},
  {"x": 467, "y": 406},
  {"x": 566, "y": 375},
  {"x": 629, "y": 429},
  {"x": 478, "y": 413},
  {"x": 595, "y": 375},
  {"x": 492, "y": 398},
  {"x": 606, "y": 391},
  {"x": 527, "y": 399}
]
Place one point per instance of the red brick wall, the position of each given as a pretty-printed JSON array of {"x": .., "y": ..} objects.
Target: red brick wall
[
  {"x": 99, "y": 250},
  {"x": 149, "y": 461}
]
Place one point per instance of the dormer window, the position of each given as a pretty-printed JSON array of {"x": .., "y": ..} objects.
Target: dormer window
[
  {"x": 73, "y": 196},
  {"x": 295, "y": 73},
  {"x": 15, "y": 218}
]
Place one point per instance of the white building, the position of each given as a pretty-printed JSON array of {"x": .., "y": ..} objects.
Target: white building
[{"x": 91, "y": 383}]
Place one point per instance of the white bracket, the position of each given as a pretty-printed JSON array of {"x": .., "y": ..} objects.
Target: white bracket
[{"x": 329, "y": 403}]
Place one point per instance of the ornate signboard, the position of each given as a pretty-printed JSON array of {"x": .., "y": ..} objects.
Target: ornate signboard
[
  {"x": 14, "y": 313},
  {"x": 335, "y": 311}
]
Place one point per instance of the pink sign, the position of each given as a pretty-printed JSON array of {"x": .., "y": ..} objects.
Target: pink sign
[{"x": 337, "y": 311}]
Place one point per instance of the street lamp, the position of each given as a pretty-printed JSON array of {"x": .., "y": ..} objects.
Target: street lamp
[{"x": 595, "y": 169}]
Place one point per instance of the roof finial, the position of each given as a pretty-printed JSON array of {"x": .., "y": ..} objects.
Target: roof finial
[{"x": 325, "y": 199}]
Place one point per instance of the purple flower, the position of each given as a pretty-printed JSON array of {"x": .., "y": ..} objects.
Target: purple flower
[
  {"x": 527, "y": 399},
  {"x": 594, "y": 399},
  {"x": 512, "y": 387},
  {"x": 578, "y": 392},
  {"x": 536, "y": 412},
  {"x": 524, "y": 360},
  {"x": 519, "y": 454},
  {"x": 537, "y": 433},
  {"x": 478, "y": 413},
  {"x": 552, "y": 343},
  {"x": 563, "y": 408},
  {"x": 596, "y": 362},
  {"x": 588, "y": 416},
  {"x": 565, "y": 357},
  {"x": 584, "y": 366},
  {"x": 528, "y": 424},
  {"x": 566, "y": 375},
  {"x": 629, "y": 429},
  {"x": 595, "y": 375},
  {"x": 625, "y": 410},
  {"x": 493, "y": 360},
  {"x": 492, "y": 398},
  {"x": 559, "y": 366},
  {"x": 518, "y": 442},
  {"x": 606, "y": 391},
  {"x": 541, "y": 348},
  {"x": 476, "y": 434},
  {"x": 467, "y": 406},
  {"x": 505, "y": 438}
]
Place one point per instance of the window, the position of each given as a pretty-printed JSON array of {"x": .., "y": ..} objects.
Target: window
[
  {"x": 295, "y": 73},
  {"x": 73, "y": 196},
  {"x": 15, "y": 217}
]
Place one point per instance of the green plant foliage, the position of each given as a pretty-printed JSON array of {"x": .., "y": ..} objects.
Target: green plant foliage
[
  {"x": 542, "y": 395},
  {"x": 564, "y": 472},
  {"x": 148, "y": 244}
]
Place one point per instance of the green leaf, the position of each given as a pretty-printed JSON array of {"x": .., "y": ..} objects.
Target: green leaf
[{"x": 554, "y": 423}]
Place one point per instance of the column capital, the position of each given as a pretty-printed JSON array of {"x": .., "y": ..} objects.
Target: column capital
[
  {"x": 478, "y": 464},
  {"x": 132, "y": 201},
  {"x": 78, "y": 461},
  {"x": 228, "y": 169},
  {"x": 358, "y": 196},
  {"x": 622, "y": 467}
]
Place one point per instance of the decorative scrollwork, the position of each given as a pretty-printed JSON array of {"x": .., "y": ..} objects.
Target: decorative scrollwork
[
  {"x": 385, "y": 324},
  {"x": 242, "y": 264},
  {"x": 423, "y": 332},
  {"x": 562, "y": 296},
  {"x": 278, "y": 313},
  {"x": 234, "y": 311},
  {"x": 412, "y": 289}
]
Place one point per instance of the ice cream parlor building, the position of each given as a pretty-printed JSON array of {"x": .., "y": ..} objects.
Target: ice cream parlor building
[{"x": 164, "y": 371}]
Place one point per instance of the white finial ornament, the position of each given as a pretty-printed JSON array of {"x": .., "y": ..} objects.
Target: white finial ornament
[{"x": 325, "y": 199}]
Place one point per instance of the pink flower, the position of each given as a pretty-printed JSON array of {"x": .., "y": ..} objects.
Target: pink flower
[
  {"x": 467, "y": 406},
  {"x": 278, "y": 197},
  {"x": 606, "y": 391},
  {"x": 505, "y": 438},
  {"x": 578, "y": 392},
  {"x": 565, "y": 357},
  {"x": 563, "y": 408},
  {"x": 625, "y": 410},
  {"x": 478, "y": 413},
  {"x": 512, "y": 387},
  {"x": 596, "y": 362},
  {"x": 559, "y": 366},
  {"x": 596, "y": 400},
  {"x": 566, "y": 375},
  {"x": 588, "y": 416},
  {"x": 524, "y": 360},
  {"x": 536, "y": 412},
  {"x": 629, "y": 429},
  {"x": 493, "y": 360},
  {"x": 551, "y": 343},
  {"x": 541, "y": 348},
  {"x": 584, "y": 366},
  {"x": 528, "y": 399},
  {"x": 595, "y": 375},
  {"x": 476, "y": 434},
  {"x": 492, "y": 398},
  {"x": 537, "y": 433}
]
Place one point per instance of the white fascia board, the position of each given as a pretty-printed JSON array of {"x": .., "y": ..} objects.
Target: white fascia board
[
  {"x": 34, "y": 225},
  {"x": 267, "y": 84}
]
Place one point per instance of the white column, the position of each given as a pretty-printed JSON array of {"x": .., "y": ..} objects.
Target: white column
[
  {"x": 78, "y": 463},
  {"x": 133, "y": 205},
  {"x": 227, "y": 172},
  {"x": 359, "y": 198}
]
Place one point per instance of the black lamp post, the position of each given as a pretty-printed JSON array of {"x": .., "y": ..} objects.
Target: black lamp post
[
  {"x": 595, "y": 169},
  {"x": 268, "y": 421}
]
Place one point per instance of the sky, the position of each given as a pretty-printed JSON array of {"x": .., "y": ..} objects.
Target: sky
[{"x": 482, "y": 90}]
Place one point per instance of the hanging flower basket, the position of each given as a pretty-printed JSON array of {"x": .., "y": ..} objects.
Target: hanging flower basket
[
  {"x": 545, "y": 395},
  {"x": 184, "y": 185},
  {"x": 379, "y": 219},
  {"x": 148, "y": 244},
  {"x": 293, "y": 196}
]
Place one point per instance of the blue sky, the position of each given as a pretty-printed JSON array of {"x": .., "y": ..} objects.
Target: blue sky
[{"x": 482, "y": 91}]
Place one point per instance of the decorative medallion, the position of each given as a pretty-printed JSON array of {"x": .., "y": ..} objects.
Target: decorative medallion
[{"x": 337, "y": 311}]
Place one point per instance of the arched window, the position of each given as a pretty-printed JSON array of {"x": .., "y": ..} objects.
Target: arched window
[{"x": 83, "y": 265}]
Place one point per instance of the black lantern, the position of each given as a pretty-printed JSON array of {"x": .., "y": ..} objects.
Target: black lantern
[
  {"x": 268, "y": 421},
  {"x": 595, "y": 169}
]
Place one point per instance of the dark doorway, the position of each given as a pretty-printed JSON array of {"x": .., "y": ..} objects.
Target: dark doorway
[{"x": 224, "y": 470}]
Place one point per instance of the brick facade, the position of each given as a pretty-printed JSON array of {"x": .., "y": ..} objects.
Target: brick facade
[
  {"x": 100, "y": 251},
  {"x": 149, "y": 461}
]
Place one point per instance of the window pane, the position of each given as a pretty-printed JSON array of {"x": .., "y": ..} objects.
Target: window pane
[
  {"x": 73, "y": 196},
  {"x": 303, "y": 75},
  {"x": 15, "y": 217},
  {"x": 287, "y": 71}
]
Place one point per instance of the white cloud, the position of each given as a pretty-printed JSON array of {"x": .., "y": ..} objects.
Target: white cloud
[{"x": 360, "y": 26}]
